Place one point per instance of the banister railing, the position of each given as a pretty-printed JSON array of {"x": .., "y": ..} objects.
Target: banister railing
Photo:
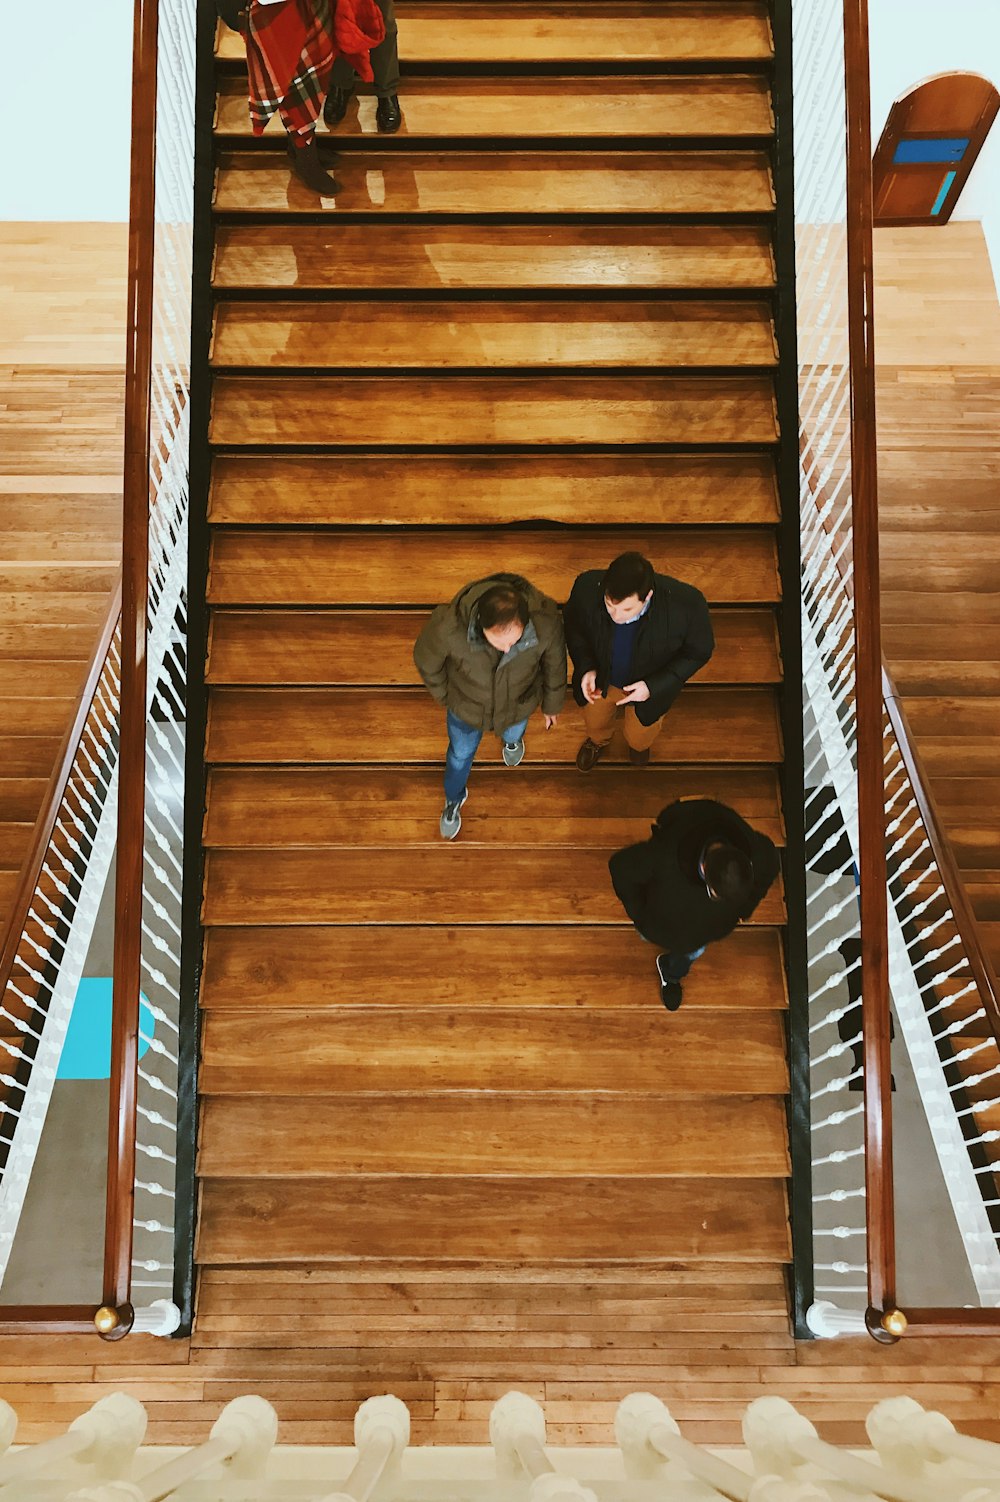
[
  {"x": 132, "y": 738},
  {"x": 887, "y": 913}
]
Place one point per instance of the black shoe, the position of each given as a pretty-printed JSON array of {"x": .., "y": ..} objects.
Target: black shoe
[
  {"x": 589, "y": 755},
  {"x": 638, "y": 758},
  {"x": 388, "y": 115},
  {"x": 310, "y": 170},
  {"x": 671, "y": 991},
  {"x": 335, "y": 107}
]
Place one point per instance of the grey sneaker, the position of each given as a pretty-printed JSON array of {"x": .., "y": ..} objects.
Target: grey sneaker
[
  {"x": 451, "y": 820},
  {"x": 514, "y": 755}
]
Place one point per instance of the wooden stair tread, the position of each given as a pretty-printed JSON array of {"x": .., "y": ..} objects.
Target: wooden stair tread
[
  {"x": 31, "y": 716},
  {"x": 28, "y": 756},
  {"x": 424, "y": 567},
  {"x": 448, "y": 885},
  {"x": 20, "y": 796},
  {"x": 504, "y": 1219},
  {"x": 308, "y": 725},
  {"x": 459, "y": 489},
  {"x": 413, "y": 182},
  {"x": 292, "y": 967},
  {"x": 74, "y": 607},
  {"x": 713, "y": 32},
  {"x": 51, "y": 643},
  {"x": 15, "y": 839},
  {"x": 726, "y": 105},
  {"x": 582, "y": 257},
  {"x": 45, "y": 679},
  {"x": 494, "y": 335},
  {"x": 478, "y": 411},
  {"x": 409, "y": 1048},
  {"x": 329, "y": 647},
  {"x": 501, "y": 1135},
  {"x": 307, "y": 807}
]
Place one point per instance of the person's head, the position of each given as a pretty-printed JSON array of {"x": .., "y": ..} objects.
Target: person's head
[
  {"x": 628, "y": 586},
  {"x": 727, "y": 873},
  {"x": 503, "y": 615}
]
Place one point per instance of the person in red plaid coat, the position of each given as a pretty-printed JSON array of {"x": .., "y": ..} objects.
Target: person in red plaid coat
[{"x": 291, "y": 48}]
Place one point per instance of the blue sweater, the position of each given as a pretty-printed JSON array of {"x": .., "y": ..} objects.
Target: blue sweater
[{"x": 622, "y": 648}]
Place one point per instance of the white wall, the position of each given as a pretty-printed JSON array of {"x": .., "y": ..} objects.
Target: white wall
[
  {"x": 912, "y": 39},
  {"x": 66, "y": 149}
]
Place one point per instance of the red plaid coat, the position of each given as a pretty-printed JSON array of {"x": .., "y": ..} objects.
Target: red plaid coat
[{"x": 291, "y": 48}]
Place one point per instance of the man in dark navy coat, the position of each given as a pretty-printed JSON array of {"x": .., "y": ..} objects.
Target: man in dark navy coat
[{"x": 635, "y": 638}]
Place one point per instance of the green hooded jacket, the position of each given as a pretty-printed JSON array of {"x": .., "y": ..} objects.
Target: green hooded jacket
[{"x": 484, "y": 688}]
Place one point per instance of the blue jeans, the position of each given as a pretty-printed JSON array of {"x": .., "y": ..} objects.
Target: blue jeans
[
  {"x": 463, "y": 743},
  {"x": 676, "y": 965}
]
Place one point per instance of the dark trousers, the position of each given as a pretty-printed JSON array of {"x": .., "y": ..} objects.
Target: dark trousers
[{"x": 385, "y": 60}]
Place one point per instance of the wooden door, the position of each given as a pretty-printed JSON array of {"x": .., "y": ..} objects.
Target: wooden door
[{"x": 928, "y": 147}]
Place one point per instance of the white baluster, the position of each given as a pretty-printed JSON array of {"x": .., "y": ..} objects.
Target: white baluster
[
  {"x": 827, "y": 1321},
  {"x": 242, "y": 1438},
  {"x": 381, "y": 1434},
  {"x": 647, "y": 1436},
  {"x": 517, "y": 1434},
  {"x": 107, "y": 1435},
  {"x": 908, "y": 1437}
]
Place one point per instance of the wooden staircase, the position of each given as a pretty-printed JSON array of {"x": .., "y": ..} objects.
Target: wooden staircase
[{"x": 535, "y": 329}]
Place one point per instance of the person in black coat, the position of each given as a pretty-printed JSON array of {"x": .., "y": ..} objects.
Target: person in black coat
[
  {"x": 635, "y": 638},
  {"x": 702, "y": 871}
]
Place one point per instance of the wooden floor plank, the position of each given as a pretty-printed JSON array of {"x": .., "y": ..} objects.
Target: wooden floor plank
[
  {"x": 517, "y": 1219},
  {"x": 492, "y": 335},
  {"x": 305, "y": 647},
  {"x": 270, "y": 809},
  {"x": 392, "y": 1050},
  {"x": 404, "y": 256},
  {"x": 282, "y": 968},
  {"x": 330, "y": 411},
  {"x": 254, "y": 567},
  {"x": 306, "y": 725},
  {"x": 413, "y": 182},
  {"x": 465, "y": 489},
  {"x": 724, "y": 105},
  {"x": 448, "y": 885}
]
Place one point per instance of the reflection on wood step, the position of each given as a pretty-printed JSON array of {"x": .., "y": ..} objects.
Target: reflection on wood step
[
  {"x": 725, "y": 105},
  {"x": 481, "y": 411},
  {"x": 14, "y": 841},
  {"x": 424, "y": 568},
  {"x": 404, "y": 1050},
  {"x": 367, "y": 647},
  {"x": 280, "y": 968},
  {"x": 547, "y": 32},
  {"x": 27, "y": 715},
  {"x": 494, "y": 184},
  {"x": 352, "y": 725},
  {"x": 448, "y": 885},
  {"x": 507, "y": 1220},
  {"x": 394, "y": 336},
  {"x": 945, "y": 674},
  {"x": 42, "y": 644},
  {"x": 905, "y": 606},
  {"x": 316, "y": 807},
  {"x": 976, "y": 719},
  {"x": 52, "y": 679},
  {"x": 964, "y": 642},
  {"x": 28, "y": 756},
  {"x": 461, "y": 489},
  {"x": 20, "y": 797},
  {"x": 18, "y": 579},
  {"x": 582, "y": 257},
  {"x": 52, "y": 607},
  {"x": 504, "y": 1135}
]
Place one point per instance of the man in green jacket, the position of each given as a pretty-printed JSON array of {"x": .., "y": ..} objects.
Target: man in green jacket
[{"x": 492, "y": 656}]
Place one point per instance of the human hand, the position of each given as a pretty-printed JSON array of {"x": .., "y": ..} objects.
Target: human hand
[
  {"x": 588, "y": 686},
  {"x": 551, "y": 721},
  {"x": 635, "y": 693}
]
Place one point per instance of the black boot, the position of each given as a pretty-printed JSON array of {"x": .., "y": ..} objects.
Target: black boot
[
  {"x": 335, "y": 107},
  {"x": 388, "y": 115},
  {"x": 310, "y": 170}
]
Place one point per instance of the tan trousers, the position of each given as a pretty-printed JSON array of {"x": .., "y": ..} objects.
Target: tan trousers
[{"x": 599, "y": 719}]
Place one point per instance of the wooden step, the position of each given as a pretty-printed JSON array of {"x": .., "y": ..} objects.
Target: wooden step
[
  {"x": 481, "y": 411},
  {"x": 905, "y": 605},
  {"x": 27, "y": 715},
  {"x": 399, "y": 1050},
  {"x": 15, "y": 838},
  {"x": 286, "y": 647},
  {"x": 498, "y": 183},
  {"x": 425, "y": 567},
  {"x": 585, "y": 258},
  {"x": 506, "y": 1220},
  {"x": 88, "y": 577},
  {"x": 21, "y": 797},
  {"x": 51, "y": 679},
  {"x": 706, "y": 32},
  {"x": 945, "y": 674},
  {"x": 54, "y": 643},
  {"x": 311, "y": 807},
  {"x": 83, "y": 607},
  {"x": 461, "y": 489},
  {"x": 440, "y": 335},
  {"x": 503, "y": 1135},
  {"x": 247, "y": 725},
  {"x": 285, "y": 968},
  {"x": 27, "y": 756},
  {"x": 731, "y": 105},
  {"x": 448, "y": 885}
]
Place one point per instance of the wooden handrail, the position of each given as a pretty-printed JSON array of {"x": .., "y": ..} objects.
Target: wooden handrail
[
  {"x": 980, "y": 964},
  {"x": 122, "y": 1113},
  {"x": 879, "y": 1189},
  {"x": 54, "y": 794}
]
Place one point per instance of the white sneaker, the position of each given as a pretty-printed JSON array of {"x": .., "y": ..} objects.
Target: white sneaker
[
  {"x": 514, "y": 755},
  {"x": 451, "y": 820}
]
